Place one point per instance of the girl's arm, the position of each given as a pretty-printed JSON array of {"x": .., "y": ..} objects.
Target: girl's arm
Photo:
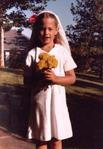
[{"x": 68, "y": 79}]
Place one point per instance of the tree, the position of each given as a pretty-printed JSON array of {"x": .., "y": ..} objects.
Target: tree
[
  {"x": 33, "y": 5},
  {"x": 87, "y": 33}
]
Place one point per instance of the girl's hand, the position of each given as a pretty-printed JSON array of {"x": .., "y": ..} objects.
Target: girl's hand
[
  {"x": 50, "y": 75},
  {"x": 68, "y": 79}
]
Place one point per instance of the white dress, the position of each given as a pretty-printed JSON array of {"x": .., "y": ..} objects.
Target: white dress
[{"x": 49, "y": 116}]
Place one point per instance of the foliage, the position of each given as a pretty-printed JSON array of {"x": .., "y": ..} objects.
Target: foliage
[
  {"x": 24, "y": 4},
  {"x": 87, "y": 33},
  {"x": 19, "y": 18},
  {"x": 33, "y": 5}
]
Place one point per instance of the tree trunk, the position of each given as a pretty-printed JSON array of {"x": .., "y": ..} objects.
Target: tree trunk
[
  {"x": 101, "y": 70},
  {"x": 2, "y": 47}
]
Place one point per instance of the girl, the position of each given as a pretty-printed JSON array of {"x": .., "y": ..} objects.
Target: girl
[{"x": 49, "y": 121}]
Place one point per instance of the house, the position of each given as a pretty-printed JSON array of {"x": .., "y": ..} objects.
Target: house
[{"x": 16, "y": 46}]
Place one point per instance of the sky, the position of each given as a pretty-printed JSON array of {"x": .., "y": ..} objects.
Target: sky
[{"x": 62, "y": 9}]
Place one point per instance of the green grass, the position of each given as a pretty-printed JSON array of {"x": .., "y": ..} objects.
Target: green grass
[
  {"x": 84, "y": 90},
  {"x": 10, "y": 77},
  {"x": 85, "y": 87}
]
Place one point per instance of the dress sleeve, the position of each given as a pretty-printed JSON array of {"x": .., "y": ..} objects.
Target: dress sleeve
[
  {"x": 69, "y": 62},
  {"x": 28, "y": 60},
  {"x": 28, "y": 70}
]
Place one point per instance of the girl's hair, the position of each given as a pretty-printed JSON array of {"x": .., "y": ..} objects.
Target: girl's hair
[{"x": 34, "y": 41}]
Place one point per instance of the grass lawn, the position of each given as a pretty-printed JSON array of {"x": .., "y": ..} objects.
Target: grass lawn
[
  {"x": 81, "y": 87},
  {"x": 84, "y": 90},
  {"x": 11, "y": 77},
  {"x": 86, "y": 87}
]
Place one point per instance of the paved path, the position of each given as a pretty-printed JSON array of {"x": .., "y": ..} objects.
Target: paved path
[{"x": 11, "y": 141}]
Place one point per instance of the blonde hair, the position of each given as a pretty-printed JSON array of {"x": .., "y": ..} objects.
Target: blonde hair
[{"x": 34, "y": 41}]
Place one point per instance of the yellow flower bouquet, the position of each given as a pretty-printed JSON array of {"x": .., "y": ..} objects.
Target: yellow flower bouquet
[{"x": 47, "y": 61}]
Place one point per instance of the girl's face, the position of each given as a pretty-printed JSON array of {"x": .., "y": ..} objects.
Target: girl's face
[{"x": 48, "y": 31}]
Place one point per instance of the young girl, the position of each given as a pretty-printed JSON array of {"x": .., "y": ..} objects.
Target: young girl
[{"x": 49, "y": 121}]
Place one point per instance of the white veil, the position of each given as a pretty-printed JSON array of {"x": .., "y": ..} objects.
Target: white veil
[{"x": 61, "y": 30}]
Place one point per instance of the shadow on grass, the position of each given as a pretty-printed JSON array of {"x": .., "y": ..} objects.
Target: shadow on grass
[
  {"x": 86, "y": 113},
  {"x": 15, "y": 71},
  {"x": 88, "y": 84},
  {"x": 14, "y": 109}
]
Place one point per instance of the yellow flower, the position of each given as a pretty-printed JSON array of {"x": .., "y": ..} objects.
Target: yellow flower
[
  {"x": 47, "y": 61},
  {"x": 43, "y": 56},
  {"x": 52, "y": 62},
  {"x": 41, "y": 64}
]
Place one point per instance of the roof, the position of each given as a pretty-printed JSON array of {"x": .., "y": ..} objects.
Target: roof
[{"x": 14, "y": 40}]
